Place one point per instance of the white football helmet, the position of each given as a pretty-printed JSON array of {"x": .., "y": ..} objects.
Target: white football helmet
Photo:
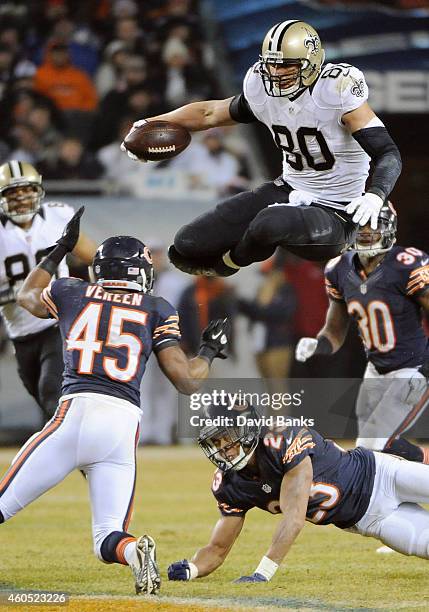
[{"x": 290, "y": 43}]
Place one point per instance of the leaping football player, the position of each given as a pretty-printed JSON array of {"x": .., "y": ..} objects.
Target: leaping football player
[
  {"x": 109, "y": 329},
  {"x": 28, "y": 229},
  {"x": 384, "y": 287},
  {"x": 302, "y": 476},
  {"x": 319, "y": 117}
]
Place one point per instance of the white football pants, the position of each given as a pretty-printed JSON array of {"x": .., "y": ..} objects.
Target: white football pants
[
  {"x": 389, "y": 404},
  {"x": 393, "y": 515},
  {"x": 92, "y": 432}
]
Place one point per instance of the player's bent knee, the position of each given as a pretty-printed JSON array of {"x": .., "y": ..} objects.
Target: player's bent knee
[{"x": 264, "y": 229}]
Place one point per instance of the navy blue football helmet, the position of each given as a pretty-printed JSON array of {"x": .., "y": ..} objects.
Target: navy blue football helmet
[
  {"x": 238, "y": 429},
  {"x": 123, "y": 262}
]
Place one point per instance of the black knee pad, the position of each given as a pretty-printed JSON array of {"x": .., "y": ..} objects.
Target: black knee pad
[
  {"x": 1, "y": 518},
  {"x": 110, "y": 542}
]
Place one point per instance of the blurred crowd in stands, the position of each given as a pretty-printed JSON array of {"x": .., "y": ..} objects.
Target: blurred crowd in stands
[{"x": 74, "y": 75}]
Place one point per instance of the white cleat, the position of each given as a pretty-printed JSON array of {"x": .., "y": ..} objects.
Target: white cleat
[
  {"x": 385, "y": 550},
  {"x": 144, "y": 567}
]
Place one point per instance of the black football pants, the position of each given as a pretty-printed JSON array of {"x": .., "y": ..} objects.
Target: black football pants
[
  {"x": 247, "y": 225},
  {"x": 40, "y": 367}
]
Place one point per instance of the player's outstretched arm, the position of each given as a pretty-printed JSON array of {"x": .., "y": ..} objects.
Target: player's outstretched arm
[
  {"x": 209, "y": 558},
  {"x": 294, "y": 494},
  {"x": 29, "y": 295},
  {"x": 199, "y": 115},
  {"x": 85, "y": 249},
  {"x": 331, "y": 336},
  {"x": 186, "y": 374}
]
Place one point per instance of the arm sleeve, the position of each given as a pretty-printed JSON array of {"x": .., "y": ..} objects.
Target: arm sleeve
[
  {"x": 298, "y": 445},
  {"x": 240, "y": 110},
  {"x": 378, "y": 144},
  {"x": 166, "y": 331},
  {"x": 57, "y": 293},
  {"x": 417, "y": 281},
  {"x": 332, "y": 284}
]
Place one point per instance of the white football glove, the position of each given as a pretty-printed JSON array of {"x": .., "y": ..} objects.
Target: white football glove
[
  {"x": 135, "y": 125},
  {"x": 298, "y": 197},
  {"x": 366, "y": 208},
  {"x": 305, "y": 348}
]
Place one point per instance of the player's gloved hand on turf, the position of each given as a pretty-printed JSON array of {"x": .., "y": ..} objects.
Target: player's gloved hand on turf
[
  {"x": 135, "y": 125},
  {"x": 366, "y": 208},
  {"x": 298, "y": 197},
  {"x": 182, "y": 570},
  {"x": 253, "y": 578},
  {"x": 214, "y": 339},
  {"x": 71, "y": 232},
  {"x": 305, "y": 349}
]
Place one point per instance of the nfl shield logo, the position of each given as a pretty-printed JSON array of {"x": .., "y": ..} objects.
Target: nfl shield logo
[
  {"x": 266, "y": 488},
  {"x": 363, "y": 288}
]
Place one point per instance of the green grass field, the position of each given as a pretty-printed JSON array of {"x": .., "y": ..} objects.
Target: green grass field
[{"x": 48, "y": 547}]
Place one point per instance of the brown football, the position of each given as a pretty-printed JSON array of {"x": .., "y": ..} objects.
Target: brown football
[{"x": 156, "y": 140}]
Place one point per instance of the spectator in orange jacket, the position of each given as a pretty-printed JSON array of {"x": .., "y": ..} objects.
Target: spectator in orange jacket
[{"x": 69, "y": 87}]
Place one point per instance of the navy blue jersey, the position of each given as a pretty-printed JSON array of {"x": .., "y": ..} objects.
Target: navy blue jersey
[
  {"x": 342, "y": 480},
  {"x": 384, "y": 305},
  {"x": 108, "y": 337}
]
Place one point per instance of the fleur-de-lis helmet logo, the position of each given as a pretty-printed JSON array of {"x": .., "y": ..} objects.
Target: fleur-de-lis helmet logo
[{"x": 312, "y": 43}]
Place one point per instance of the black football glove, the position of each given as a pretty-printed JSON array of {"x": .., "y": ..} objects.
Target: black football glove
[
  {"x": 179, "y": 570},
  {"x": 214, "y": 339},
  {"x": 71, "y": 231}
]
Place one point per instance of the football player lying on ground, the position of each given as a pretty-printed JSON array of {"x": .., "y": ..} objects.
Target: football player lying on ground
[
  {"x": 109, "y": 327},
  {"x": 305, "y": 477},
  {"x": 384, "y": 288},
  {"x": 318, "y": 115}
]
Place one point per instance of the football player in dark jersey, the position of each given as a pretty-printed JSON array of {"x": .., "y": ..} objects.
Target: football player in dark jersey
[
  {"x": 109, "y": 329},
  {"x": 319, "y": 117},
  {"x": 304, "y": 477},
  {"x": 384, "y": 288}
]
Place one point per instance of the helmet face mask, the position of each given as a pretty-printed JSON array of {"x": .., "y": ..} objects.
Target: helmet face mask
[
  {"x": 370, "y": 243},
  {"x": 21, "y": 191},
  {"x": 291, "y": 43},
  {"x": 123, "y": 262},
  {"x": 230, "y": 447}
]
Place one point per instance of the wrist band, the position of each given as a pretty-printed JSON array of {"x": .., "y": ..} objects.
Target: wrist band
[
  {"x": 207, "y": 352},
  {"x": 193, "y": 570},
  {"x": 51, "y": 262},
  {"x": 267, "y": 568},
  {"x": 324, "y": 346}
]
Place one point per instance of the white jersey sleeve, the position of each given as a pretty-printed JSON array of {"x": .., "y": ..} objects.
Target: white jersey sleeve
[{"x": 340, "y": 87}]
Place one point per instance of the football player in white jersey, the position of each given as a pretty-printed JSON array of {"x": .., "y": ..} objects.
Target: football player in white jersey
[
  {"x": 28, "y": 229},
  {"x": 319, "y": 117}
]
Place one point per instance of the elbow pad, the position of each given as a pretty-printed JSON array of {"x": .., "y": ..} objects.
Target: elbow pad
[{"x": 378, "y": 144}]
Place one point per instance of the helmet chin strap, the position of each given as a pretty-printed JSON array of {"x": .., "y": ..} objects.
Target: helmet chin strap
[{"x": 242, "y": 459}]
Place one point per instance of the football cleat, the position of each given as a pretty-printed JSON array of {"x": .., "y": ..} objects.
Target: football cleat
[
  {"x": 144, "y": 567},
  {"x": 200, "y": 267},
  {"x": 208, "y": 266}
]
